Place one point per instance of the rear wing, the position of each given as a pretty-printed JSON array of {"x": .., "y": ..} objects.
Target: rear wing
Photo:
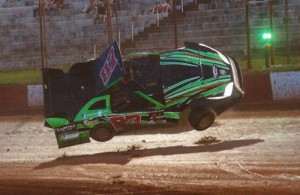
[
  {"x": 109, "y": 68},
  {"x": 66, "y": 93}
]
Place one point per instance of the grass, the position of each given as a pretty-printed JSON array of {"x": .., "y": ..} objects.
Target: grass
[
  {"x": 258, "y": 65},
  {"x": 29, "y": 76},
  {"x": 13, "y": 77},
  {"x": 34, "y": 76}
]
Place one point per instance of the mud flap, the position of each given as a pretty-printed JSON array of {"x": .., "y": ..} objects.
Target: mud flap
[{"x": 69, "y": 136}]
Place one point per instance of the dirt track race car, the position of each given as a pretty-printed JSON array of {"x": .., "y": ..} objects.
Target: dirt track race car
[{"x": 100, "y": 97}]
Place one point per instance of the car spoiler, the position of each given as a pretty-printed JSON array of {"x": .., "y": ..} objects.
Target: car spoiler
[
  {"x": 109, "y": 68},
  {"x": 89, "y": 79}
]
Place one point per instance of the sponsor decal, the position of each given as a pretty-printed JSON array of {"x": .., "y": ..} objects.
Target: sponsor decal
[
  {"x": 84, "y": 116},
  {"x": 215, "y": 72},
  {"x": 65, "y": 128},
  {"x": 70, "y": 135},
  {"x": 156, "y": 115},
  {"x": 90, "y": 122},
  {"x": 222, "y": 72},
  {"x": 109, "y": 66},
  {"x": 119, "y": 121}
]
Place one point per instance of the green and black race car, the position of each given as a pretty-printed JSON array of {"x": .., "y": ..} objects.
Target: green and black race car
[{"x": 100, "y": 97}]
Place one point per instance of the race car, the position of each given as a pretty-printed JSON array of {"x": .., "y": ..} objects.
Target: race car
[{"x": 101, "y": 97}]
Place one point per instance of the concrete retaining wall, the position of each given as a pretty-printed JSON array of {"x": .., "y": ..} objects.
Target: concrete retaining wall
[
  {"x": 257, "y": 88},
  {"x": 263, "y": 88},
  {"x": 279, "y": 86},
  {"x": 13, "y": 98},
  {"x": 285, "y": 85}
]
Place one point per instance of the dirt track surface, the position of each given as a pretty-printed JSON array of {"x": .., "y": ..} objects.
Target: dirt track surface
[{"x": 245, "y": 152}]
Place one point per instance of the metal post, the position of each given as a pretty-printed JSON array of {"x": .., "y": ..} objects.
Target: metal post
[
  {"x": 287, "y": 32},
  {"x": 271, "y": 31},
  {"x": 267, "y": 55},
  {"x": 249, "y": 65},
  {"x": 175, "y": 24},
  {"x": 109, "y": 28},
  {"x": 132, "y": 37},
  {"x": 157, "y": 18},
  {"x": 117, "y": 22},
  {"x": 95, "y": 51},
  {"x": 42, "y": 34}
]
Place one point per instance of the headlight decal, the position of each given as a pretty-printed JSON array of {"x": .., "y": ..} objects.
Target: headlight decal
[{"x": 228, "y": 89}]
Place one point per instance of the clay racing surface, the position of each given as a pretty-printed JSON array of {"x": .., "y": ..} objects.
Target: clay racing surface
[{"x": 245, "y": 152}]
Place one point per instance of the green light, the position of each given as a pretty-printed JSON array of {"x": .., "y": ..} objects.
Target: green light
[{"x": 267, "y": 36}]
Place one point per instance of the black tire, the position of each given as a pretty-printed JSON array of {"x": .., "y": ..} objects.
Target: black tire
[
  {"x": 102, "y": 133},
  {"x": 201, "y": 120}
]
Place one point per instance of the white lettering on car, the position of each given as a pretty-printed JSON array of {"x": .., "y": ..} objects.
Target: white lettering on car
[
  {"x": 215, "y": 72},
  {"x": 65, "y": 128}
]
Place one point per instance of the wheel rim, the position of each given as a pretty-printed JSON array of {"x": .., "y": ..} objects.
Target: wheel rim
[
  {"x": 205, "y": 122},
  {"x": 101, "y": 133}
]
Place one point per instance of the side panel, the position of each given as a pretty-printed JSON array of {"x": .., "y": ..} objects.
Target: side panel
[
  {"x": 97, "y": 107},
  {"x": 66, "y": 133},
  {"x": 181, "y": 74},
  {"x": 193, "y": 72}
]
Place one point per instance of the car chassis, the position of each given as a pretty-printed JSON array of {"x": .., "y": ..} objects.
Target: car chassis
[{"x": 100, "y": 97}]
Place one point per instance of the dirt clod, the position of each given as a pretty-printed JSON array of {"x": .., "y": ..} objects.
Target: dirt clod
[{"x": 206, "y": 140}]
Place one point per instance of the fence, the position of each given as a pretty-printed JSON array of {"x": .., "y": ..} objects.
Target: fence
[
  {"x": 270, "y": 23},
  {"x": 72, "y": 34}
]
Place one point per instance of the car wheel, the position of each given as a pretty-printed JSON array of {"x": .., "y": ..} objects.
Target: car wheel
[
  {"x": 102, "y": 134},
  {"x": 201, "y": 120}
]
